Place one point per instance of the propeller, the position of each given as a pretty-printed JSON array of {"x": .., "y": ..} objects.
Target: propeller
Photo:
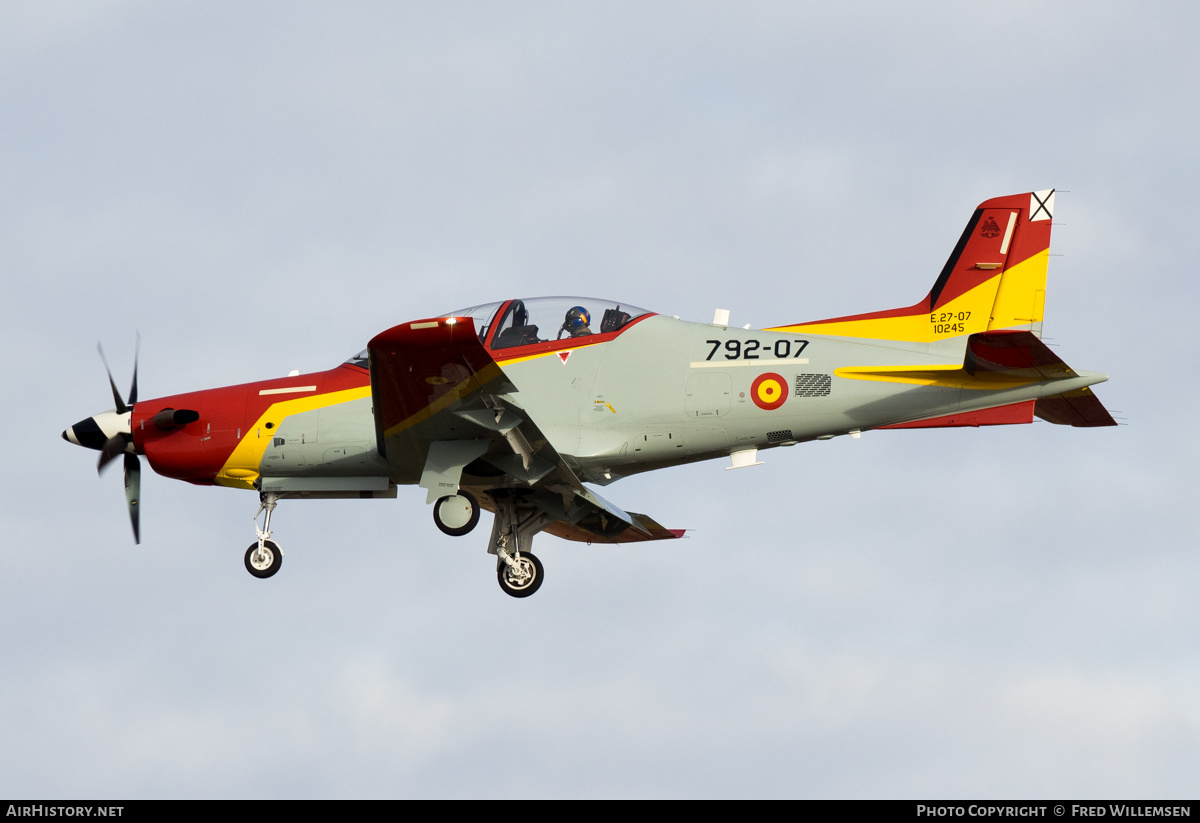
[
  {"x": 111, "y": 434},
  {"x": 121, "y": 442},
  {"x": 133, "y": 491},
  {"x": 121, "y": 407}
]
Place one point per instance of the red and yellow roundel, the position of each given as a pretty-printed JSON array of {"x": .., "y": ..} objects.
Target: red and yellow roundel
[{"x": 768, "y": 391}]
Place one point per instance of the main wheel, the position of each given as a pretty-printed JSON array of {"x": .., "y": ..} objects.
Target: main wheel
[
  {"x": 266, "y": 564},
  {"x": 457, "y": 514},
  {"x": 523, "y": 578}
]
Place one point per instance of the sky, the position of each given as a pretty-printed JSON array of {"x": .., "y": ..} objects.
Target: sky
[{"x": 259, "y": 187}]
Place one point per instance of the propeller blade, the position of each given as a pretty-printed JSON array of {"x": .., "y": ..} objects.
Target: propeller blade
[
  {"x": 112, "y": 447},
  {"x": 133, "y": 389},
  {"x": 133, "y": 491},
  {"x": 121, "y": 407}
]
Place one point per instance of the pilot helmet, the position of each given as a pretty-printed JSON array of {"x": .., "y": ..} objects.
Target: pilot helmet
[{"x": 577, "y": 318}]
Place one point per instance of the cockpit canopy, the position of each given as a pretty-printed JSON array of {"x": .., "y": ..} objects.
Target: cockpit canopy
[
  {"x": 360, "y": 360},
  {"x": 509, "y": 323}
]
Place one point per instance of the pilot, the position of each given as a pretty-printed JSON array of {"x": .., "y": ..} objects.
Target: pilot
[{"x": 576, "y": 322}]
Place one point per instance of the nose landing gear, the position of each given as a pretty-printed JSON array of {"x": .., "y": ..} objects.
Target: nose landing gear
[{"x": 264, "y": 558}]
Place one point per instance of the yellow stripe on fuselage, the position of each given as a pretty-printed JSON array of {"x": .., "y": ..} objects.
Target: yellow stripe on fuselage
[
  {"x": 241, "y": 469},
  {"x": 555, "y": 352},
  {"x": 949, "y": 377}
]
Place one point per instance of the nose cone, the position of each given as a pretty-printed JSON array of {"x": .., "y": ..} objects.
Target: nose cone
[
  {"x": 93, "y": 432},
  {"x": 86, "y": 433}
]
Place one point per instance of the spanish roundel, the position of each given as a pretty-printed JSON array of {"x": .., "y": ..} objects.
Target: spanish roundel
[{"x": 768, "y": 391}]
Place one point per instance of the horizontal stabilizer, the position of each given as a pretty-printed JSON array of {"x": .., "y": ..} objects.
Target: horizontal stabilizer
[
  {"x": 1020, "y": 353},
  {"x": 1076, "y": 408},
  {"x": 995, "y": 361},
  {"x": 1015, "y": 354}
]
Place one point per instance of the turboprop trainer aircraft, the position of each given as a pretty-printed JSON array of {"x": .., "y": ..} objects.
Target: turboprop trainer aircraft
[{"x": 514, "y": 406}]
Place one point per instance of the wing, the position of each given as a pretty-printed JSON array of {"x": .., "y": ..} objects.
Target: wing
[{"x": 447, "y": 416}]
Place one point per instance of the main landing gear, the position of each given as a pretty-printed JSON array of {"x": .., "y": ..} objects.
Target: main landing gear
[
  {"x": 264, "y": 558},
  {"x": 520, "y": 573},
  {"x": 520, "y": 576},
  {"x": 457, "y": 514}
]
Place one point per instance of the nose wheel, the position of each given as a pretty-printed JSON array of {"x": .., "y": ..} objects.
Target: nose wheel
[
  {"x": 264, "y": 558},
  {"x": 263, "y": 561}
]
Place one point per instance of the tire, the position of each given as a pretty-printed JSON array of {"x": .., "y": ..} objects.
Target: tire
[
  {"x": 267, "y": 567},
  {"x": 451, "y": 509},
  {"x": 515, "y": 587}
]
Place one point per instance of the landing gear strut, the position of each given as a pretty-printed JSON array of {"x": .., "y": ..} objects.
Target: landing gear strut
[
  {"x": 264, "y": 558},
  {"x": 520, "y": 573}
]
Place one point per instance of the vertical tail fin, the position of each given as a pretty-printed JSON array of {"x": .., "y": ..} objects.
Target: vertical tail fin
[
  {"x": 994, "y": 279},
  {"x": 1021, "y": 297}
]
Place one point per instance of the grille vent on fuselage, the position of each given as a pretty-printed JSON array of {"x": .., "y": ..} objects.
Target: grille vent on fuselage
[{"x": 813, "y": 385}]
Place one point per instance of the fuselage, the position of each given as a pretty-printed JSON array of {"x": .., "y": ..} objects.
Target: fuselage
[
  {"x": 658, "y": 392},
  {"x": 311, "y": 423}
]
